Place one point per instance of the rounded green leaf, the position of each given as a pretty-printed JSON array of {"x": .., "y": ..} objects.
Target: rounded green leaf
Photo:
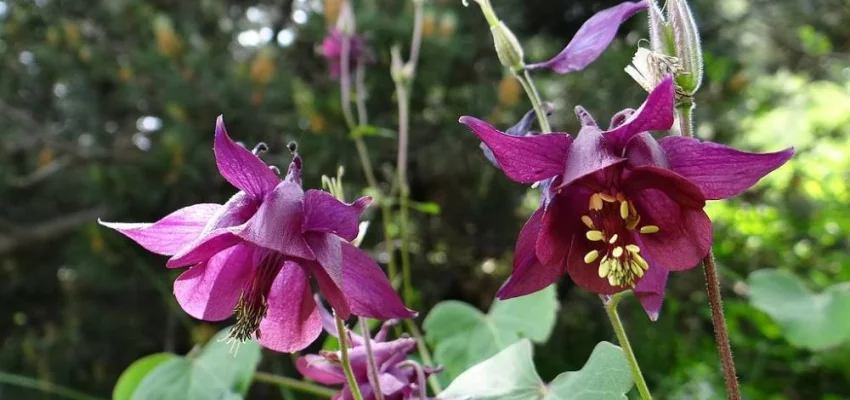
[
  {"x": 133, "y": 375},
  {"x": 605, "y": 376},
  {"x": 510, "y": 374}
]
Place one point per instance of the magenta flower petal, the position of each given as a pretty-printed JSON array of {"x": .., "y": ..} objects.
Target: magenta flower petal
[
  {"x": 324, "y": 213},
  {"x": 655, "y": 114},
  {"x": 330, "y": 289},
  {"x": 525, "y": 159},
  {"x": 643, "y": 149},
  {"x": 172, "y": 232},
  {"x": 650, "y": 290},
  {"x": 240, "y": 167},
  {"x": 719, "y": 171},
  {"x": 320, "y": 369},
  {"x": 529, "y": 275},
  {"x": 592, "y": 39},
  {"x": 277, "y": 223},
  {"x": 292, "y": 321},
  {"x": 588, "y": 154},
  {"x": 676, "y": 187},
  {"x": 328, "y": 270},
  {"x": 684, "y": 235},
  {"x": 204, "y": 248},
  {"x": 209, "y": 290},
  {"x": 367, "y": 289}
]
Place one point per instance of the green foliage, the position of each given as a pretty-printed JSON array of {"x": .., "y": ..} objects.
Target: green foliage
[
  {"x": 462, "y": 335},
  {"x": 209, "y": 373},
  {"x": 511, "y": 375},
  {"x": 812, "y": 320}
]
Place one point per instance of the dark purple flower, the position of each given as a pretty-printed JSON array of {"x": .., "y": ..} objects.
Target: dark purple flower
[
  {"x": 623, "y": 209},
  {"x": 332, "y": 51},
  {"x": 592, "y": 39},
  {"x": 397, "y": 376},
  {"x": 253, "y": 256}
]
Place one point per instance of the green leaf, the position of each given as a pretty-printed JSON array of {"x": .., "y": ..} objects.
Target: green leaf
[
  {"x": 812, "y": 320},
  {"x": 369, "y": 130},
  {"x": 605, "y": 376},
  {"x": 427, "y": 208},
  {"x": 133, "y": 375},
  {"x": 510, "y": 374},
  {"x": 215, "y": 373},
  {"x": 462, "y": 335}
]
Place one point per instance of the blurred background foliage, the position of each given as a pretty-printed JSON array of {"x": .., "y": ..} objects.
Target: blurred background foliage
[{"x": 107, "y": 110}]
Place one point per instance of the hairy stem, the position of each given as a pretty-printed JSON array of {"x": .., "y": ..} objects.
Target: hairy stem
[
  {"x": 536, "y": 102},
  {"x": 712, "y": 286},
  {"x": 43, "y": 386},
  {"x": 424, "y": 354},
  {"x": 295, "y": 384},
  {"x": 370, "y": 359},
  {"x": 346, "y": 362},
  {"x": 617, "y": 324}
]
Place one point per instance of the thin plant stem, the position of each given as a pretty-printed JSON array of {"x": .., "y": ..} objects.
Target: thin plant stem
[
  {"x": 370, "y": 359},
  {"x": 43, "y": 386},
  {"x": 360, "y": 88},
  {"x": 617, "y": 324},
  {"x": 712, "y": 285},
  {"x": 420, "y": 376},
  {"x": 424, "y": 353},
  {"x": 295, "y": 384},
  {"x": 346, "y": 362},
  {"x": 534, "y": 97}
]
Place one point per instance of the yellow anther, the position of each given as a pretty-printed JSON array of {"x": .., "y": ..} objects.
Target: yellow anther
[
  {"x": 618, "y": 251},
  {"x": 640, "y": 261},
  {"x": 613, "y": 239},
  {"x": 636, "y": 269},
  {"x": 605, "y": 267},
  {"x": 649, "y": 229},
  {"x": 613, "y": 281},
  {"x": 633, "y": 221},
  {"x": 596, "y": 202},
  {"x": 624, "y": 210},
  {"x": 587, "y": 221},
  {"x": 594, "y": 236},
  {"x": 591, "y": 256},
  {"x": 607, "y": 197},
  {"x": 632, "y": 248}
]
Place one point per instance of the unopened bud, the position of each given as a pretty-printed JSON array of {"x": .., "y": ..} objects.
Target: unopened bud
[
  {"x": 660, "y": 34},
  {"x": 507, "y": 47},
  {"x": 687, "y": 45}
]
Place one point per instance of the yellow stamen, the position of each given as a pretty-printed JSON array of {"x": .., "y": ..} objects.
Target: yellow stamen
[
  {"x": 607, "y": 197},
  {"x": 640, "y": 261},
  {"x": 605, "y": 268},
  {"x": 633, "y": 221},
  {"x": 613, "y": 281},
  {"x": 633, "y": 248},
  {"x": 613, "y": 238},
  {"x": 587, "y": 221},
  {"x": 649, "y": 229},
  {"x": 618, "y": 251},
  {"x": 624, "y": 210},
  {"x": 595, "y": 202},
  {"x": 591, "y": 256},
  {"x": 636, "y": 269},
  {"x": 594, "y": 236}
]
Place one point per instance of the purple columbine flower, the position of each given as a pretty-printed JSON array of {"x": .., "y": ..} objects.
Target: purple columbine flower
[
  {"x": 592, "y": 39},
  {"x": 252, "y": 257},
  {"x": 623, "y": 209},
  {"x": 398, "y": 377},
  {"x": 332, "y": 51}
]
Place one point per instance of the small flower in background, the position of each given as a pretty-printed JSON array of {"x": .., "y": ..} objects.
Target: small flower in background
[
  {"x": 331, "y": 49},
  {"x": 399, "y": 378},
  {"x": 252, "y": 257},
  {"x": 623, "y": 209},
  {"x": 591, "y": 39}
]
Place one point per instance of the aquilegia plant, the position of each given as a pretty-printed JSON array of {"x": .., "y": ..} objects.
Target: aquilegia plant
[{"x": 621, "y": 207}]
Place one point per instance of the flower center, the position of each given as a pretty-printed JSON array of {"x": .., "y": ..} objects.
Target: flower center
[
  {"x": 253, "y": 302},
  {"x": 611, "y": 222}
]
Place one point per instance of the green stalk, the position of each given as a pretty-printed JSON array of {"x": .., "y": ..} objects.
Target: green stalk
[
  {"x": 287, "y": 382},
  {"x": 536, "y": 102},
  {"x": 43, "y": 386},
  {"x": 617, "y": 324},
  {"x": 346, "y": 362}
]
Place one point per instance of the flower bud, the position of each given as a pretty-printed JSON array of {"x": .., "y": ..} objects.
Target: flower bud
[
  {"x": 660, "y": 34},
  {"x": 687, "y": 45},
  {"x": 507, "y": 47}
]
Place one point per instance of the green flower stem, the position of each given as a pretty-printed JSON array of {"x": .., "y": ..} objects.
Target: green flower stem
[
  {"x": 536, "y": 102},
  {"x": 611, "y": 310},
  {"x": 712, "y": 285},
  {"x": 43, "y": 386},
  {"x": 346, "y": 362},
  {"x": 370, "y": 359},
  {"x": 295, "y": 384},
  {"x": 424, "y": 354}
]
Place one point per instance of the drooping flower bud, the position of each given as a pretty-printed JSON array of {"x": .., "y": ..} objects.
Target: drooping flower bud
[
  {"x": 508, "y": 48},
  {"x": 660, "y": 34},
  {"x": 687, "y": 45}
]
